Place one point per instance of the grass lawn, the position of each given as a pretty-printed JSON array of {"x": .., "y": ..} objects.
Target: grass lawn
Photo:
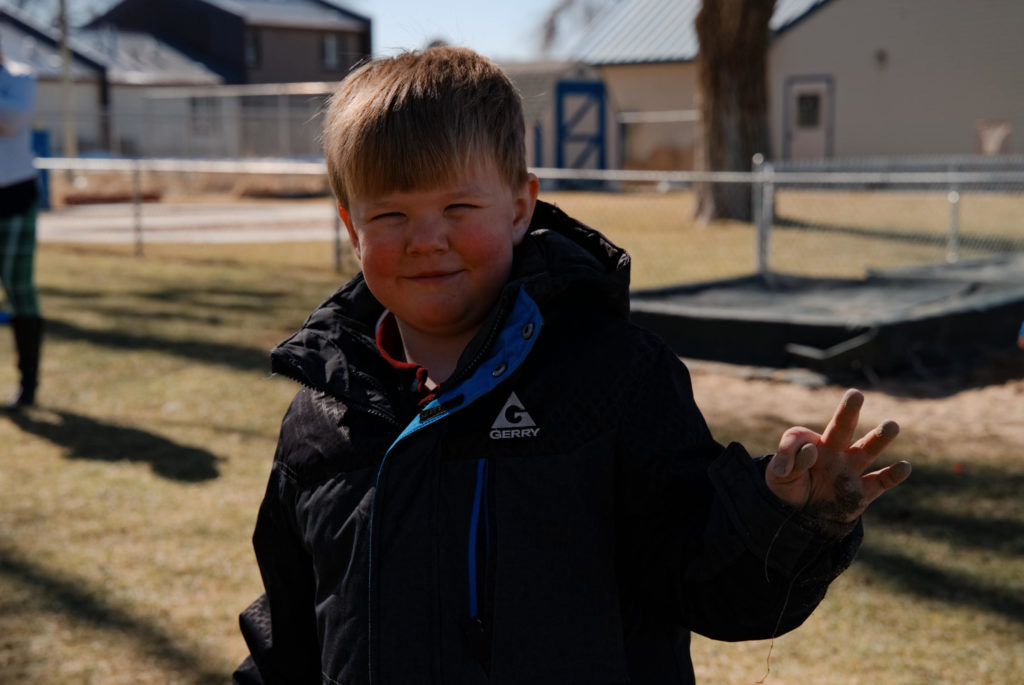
[
  {"x": 854, "y": 232},
  {"x": 127, "y": 499}
]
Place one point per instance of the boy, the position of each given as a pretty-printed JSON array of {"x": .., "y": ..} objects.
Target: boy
[{"x": 489, "y": 474}]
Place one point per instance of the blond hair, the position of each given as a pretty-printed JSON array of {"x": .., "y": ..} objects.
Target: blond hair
[{"x": 416, "y": 120}]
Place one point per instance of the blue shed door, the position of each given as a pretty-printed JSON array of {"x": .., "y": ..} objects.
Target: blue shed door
[{"x": 580, "y": 113}]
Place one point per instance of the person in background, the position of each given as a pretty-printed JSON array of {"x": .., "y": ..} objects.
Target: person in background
[{"x": 18, "y": 209}]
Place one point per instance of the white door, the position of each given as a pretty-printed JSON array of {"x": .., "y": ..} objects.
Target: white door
[{"x": 809, "y": 118}]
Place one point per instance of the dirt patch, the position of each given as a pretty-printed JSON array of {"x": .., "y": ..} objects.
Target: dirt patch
[{"x": 975, "y": 413}]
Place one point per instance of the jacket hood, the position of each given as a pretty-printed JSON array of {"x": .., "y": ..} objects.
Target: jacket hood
[
  {"x": 562, "y": 258},
  {"x": 561, "y": 262}
]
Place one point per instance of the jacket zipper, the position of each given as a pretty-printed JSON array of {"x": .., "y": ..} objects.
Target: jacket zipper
[
  {"x": 464, "y": 372},
  {"x": 479, "y": 517},
  {"x": 477, "y": 628}
]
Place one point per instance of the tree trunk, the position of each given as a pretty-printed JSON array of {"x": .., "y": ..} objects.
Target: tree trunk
[{"x": 732, "y": 74}]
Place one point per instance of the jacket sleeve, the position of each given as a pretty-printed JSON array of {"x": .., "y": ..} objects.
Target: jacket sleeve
[
  {"x": 280, "y": 627},
  {"x": 735, "y": 562},
  {"x": 17, "y": 101},
  {"x": 778, "y": 561}
]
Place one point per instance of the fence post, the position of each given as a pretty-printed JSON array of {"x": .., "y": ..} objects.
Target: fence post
[
  {"x": 763, "y": 197},
  {"x": 41, "y": 148},
  {"x": 953, "y": 243},
  {"x": 137, "y": 205},
  {"x": 338, "y": 244},
  {"x": 283, "y": 141}
]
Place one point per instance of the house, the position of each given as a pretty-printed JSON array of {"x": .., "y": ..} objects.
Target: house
[
  {"x": 110, "y": 74},
  {"x": 847, "y": 78},
  {"x": 29, "y": 43},
  {"x": 137, "y": 91},
  {"x": 252, "y": 41},
  {"x": 868, "y": 78},
  {"x": 275, "y": 62},
  {"x": 644, "y": 51}
]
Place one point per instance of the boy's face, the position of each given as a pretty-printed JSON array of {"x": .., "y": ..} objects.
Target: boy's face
[{"x": 438, "y": 258}]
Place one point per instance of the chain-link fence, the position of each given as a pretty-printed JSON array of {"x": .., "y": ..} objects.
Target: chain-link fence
[
  {"x": 279, "y": 120},
  {"x": 824, "y": 223},
  {"x": 829, "y": 215}
]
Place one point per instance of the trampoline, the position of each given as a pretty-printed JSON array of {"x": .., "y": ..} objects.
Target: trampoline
[{"x": 894, "y": 320}]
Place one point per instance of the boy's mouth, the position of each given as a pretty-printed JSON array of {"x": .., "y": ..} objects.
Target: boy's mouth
[{"x": 427, "y": 276}]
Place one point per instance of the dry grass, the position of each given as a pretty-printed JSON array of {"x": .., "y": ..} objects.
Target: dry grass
[
  {"x": 867, "y": 230},
  {"x": 127, "y": 499},
  {"x": 129, "y": 495},
  {"x": 658, "y": 230}
]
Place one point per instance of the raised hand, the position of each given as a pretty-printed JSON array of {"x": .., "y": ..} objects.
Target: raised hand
[{"x": 824, "y": 474}]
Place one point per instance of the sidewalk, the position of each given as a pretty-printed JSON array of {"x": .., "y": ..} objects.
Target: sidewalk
[{"x": 223, "y": 222}]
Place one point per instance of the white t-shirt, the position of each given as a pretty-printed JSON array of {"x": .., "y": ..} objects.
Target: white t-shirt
[{"x": 17, "y": 100}]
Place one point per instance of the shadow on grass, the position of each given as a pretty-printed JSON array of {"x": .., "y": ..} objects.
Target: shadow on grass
[
  {"x": 207, "y": 297},
  {"x": 935, "y": 504},
  {"x": 939, "y": 504},
  {"x": 232, "y": 356},
  {"x": 87, "y": 438},
  {"x": 73, "y": 598},
  {"x": 916, "y": 577}
]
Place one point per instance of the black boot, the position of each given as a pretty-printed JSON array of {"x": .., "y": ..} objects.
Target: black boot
[{"x": 28, "y": 336}]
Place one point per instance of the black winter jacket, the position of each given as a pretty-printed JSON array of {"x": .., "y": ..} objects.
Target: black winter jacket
[{"x": 559, "y": 514}]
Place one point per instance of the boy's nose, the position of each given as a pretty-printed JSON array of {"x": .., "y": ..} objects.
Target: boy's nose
[{"x": 427, "y": 235}]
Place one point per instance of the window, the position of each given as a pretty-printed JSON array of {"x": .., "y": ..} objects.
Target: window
[
  {"x": 330, "y": 51},
  {"x": 253, "y": 54},
  {"x": 808, "y": 110}
]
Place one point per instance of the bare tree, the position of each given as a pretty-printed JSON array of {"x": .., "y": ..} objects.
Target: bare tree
[{"x": 732, "y": 86}]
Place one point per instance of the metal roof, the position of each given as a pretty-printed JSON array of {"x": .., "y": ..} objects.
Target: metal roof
[
  {"x": 636, "y": 31},
  {"x": 45, "y": 11},
  {"x": 125, "y": 57},
  {"x": 27, "y": 41},
  {"x": 138, "y": 58},
  {"x": 307, "y": 14},
  {"x": 303, "y": 14},
  {"x": 789, "y": 12}
]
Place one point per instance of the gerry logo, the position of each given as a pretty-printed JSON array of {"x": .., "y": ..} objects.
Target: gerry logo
[{"x": 513, "y": 422}]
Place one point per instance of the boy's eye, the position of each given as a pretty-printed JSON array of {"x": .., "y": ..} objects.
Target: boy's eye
[
  {"x": 461, "y": 205},
  {"x": 385, "y": 215}
]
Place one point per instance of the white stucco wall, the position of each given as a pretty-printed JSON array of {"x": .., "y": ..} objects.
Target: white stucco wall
[
  {"x": 654, "y": 88},
  {"x": 911, "y": 77},
  {"x": 153, "y": 126},
  {"x": 85, "y": 108}
]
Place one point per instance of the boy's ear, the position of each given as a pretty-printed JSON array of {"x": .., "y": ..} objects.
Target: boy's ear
[
  {"x": 346, "y": 219},
  {"x": 525, "y": 201}
]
